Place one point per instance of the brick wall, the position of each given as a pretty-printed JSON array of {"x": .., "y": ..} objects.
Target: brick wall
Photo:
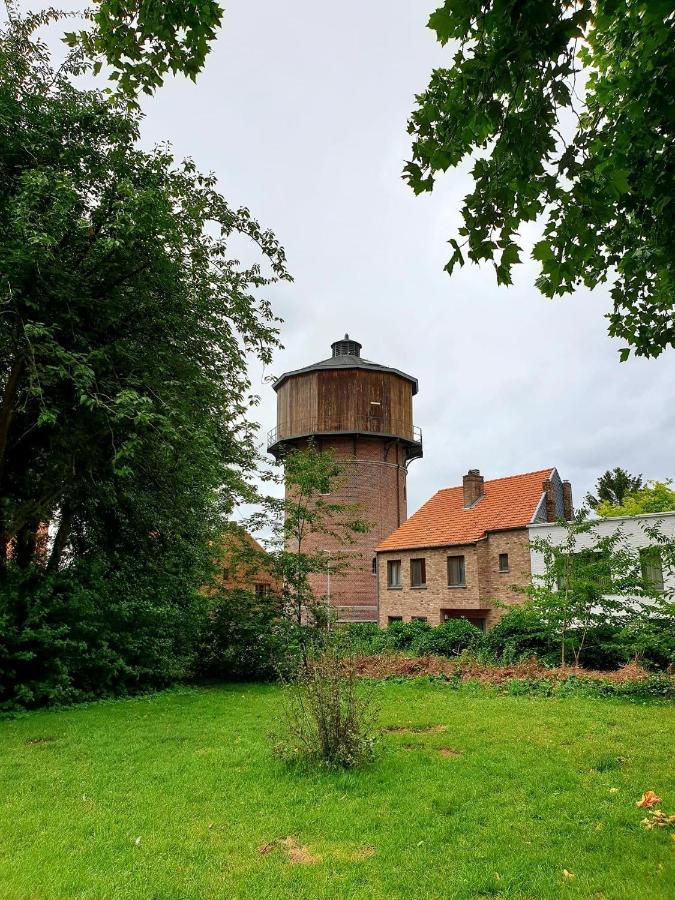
[
  {"x": 484, "y": 582},
  {"x": 375, "y": 480}
]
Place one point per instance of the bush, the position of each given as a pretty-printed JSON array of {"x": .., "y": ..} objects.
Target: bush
[
  {"x": 603, "y": 648},
  {"x": 519, "y": 633},
  {"x": 651, "y": 641},
  {"x": 363, "y": 637},
  {"x": 405, "y": 635},
  {"x": 329, "y": 715},
  {"x": 451, "y": 638},
  {"x": 97, "y": 630},
  {"x": 248, "y": 638}
]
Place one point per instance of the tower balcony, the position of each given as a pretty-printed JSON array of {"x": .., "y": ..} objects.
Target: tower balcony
[{"x": 287, "y": 433}]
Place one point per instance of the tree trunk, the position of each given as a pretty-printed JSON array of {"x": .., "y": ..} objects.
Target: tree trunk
[
  {"x": 8, "y": 406},
  {"x": 26, "y": 543}
]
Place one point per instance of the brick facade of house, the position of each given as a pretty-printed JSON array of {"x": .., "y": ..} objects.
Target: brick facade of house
[{"x": 484, "y": 582}]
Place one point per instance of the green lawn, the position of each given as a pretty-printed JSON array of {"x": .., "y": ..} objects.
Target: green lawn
[{"x": 174, "y": 795}]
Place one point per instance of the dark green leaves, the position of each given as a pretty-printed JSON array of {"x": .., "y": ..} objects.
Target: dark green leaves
[
  {"x": 143, "y": 40},
  {"x": 605, "y": 189}
]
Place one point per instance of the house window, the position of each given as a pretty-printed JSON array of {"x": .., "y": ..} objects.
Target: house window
[
  {"x": 503, "y": 562},
  {"x": 419, "y": 618},
  {"x": 261, "y": 590},
  {"x": 456, "y": 574},
  {"x": 418, "y": 573},
  {"x": 373, "y": 566},
  {"x": 394, "y": 573},
  {"x": 391, "y": 619},
  {"x": 652, "y": 569}
]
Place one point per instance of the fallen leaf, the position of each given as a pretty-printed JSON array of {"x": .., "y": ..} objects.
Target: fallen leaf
[
  {"x": 568, "y": 875},
  {"x": 614, "y": 790},
  {"x": 137, "y": 841},
  {"x": 648, "y": 799}
]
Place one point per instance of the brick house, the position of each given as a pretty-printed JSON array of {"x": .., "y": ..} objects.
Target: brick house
[
  {"x": 467, "y": 547},
  {"x": 244, "y": 564}
]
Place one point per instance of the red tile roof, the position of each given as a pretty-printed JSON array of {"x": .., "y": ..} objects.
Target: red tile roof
[{"x": 507, "y": 503}]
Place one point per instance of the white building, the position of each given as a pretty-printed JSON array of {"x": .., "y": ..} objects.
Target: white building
[{"x": 634, "y": 529}]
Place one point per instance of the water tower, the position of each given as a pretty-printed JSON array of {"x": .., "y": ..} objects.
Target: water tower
[{"x": 361, "y": 411}]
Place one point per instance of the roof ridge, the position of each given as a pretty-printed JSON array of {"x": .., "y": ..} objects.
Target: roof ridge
[{"x": 456, "y": 487}]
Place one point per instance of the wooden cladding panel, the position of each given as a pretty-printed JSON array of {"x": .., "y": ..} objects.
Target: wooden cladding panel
[
  {"x": 345, "y": 400},
  {"x": 297, "y": 404}
]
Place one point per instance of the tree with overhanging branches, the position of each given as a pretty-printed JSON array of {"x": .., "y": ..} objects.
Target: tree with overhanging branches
[
  {"x": 125, "y": 401},
  {"x": 567, "y": 108}
]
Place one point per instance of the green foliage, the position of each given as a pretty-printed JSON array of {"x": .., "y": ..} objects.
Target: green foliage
[
  {"x": 651, "y": 640},
  {"x": 364, "y": 638},
  {"x": 329, "y": 715},
  {"x": 405, "y": 635},
  {"x": 143, "y": 40},
  {"x": 451, "y": 638},
  {"x": 643, "y": 690},
  {"x": 248, "y": 638},
  {"x": 521, "y": 632},
  {"x": 603, "y": 189},
  {"x": 592, "y": 579},
  {"x": 654, "y": 497},
  {"x": 613, "y": 486},
  {"x": 101, "y": 628},
  {"x": 124, "y": 395}
]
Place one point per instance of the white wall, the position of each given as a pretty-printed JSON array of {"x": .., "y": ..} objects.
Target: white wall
[{"x": 633, "y": 528}]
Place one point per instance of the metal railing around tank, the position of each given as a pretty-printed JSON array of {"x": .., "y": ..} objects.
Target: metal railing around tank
[{"x": 360, "y": 424}]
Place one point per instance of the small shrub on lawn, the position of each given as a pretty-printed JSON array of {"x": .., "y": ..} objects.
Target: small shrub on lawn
[
  {"x": 329, "y": 712},
  {"x": 450, "y": 639}
]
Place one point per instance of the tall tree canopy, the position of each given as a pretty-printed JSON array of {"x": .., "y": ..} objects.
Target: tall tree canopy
[
  {"x": 124, "y": 322},
  {"x": 613, "y": 486},
  {"x": 653, "y": 497},
  {"x": 568, "y": 107}
]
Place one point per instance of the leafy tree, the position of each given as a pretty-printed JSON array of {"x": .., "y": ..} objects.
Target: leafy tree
[
  {"x": 124, "y": 395},
  {"x": 613, "y": 486},
  {"x": 591, "y": 580},
  {"x": 567, "y": 106},
  {"x": 141, "y": 41},
  {"x": 311, "y": 509},
  {"x": 654, "y": 497}
]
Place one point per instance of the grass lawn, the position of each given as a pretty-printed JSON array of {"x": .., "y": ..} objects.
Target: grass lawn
[{"x": 175, "y": 795}]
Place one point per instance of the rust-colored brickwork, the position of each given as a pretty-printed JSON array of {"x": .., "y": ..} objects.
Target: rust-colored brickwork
[{"x": 374, "y": 479}]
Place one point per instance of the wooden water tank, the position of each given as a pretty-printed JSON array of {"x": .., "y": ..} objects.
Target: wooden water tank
[{"x": 345, "y": 395}]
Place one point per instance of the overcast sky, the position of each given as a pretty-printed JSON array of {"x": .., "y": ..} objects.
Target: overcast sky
[{"x": 301, "y": 112}]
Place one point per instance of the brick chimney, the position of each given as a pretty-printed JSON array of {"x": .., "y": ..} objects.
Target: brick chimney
[
  {"x": 473, "y": 487},
  {"x": 568, "y": 506},
  {"x": 550, "y": 500}
]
